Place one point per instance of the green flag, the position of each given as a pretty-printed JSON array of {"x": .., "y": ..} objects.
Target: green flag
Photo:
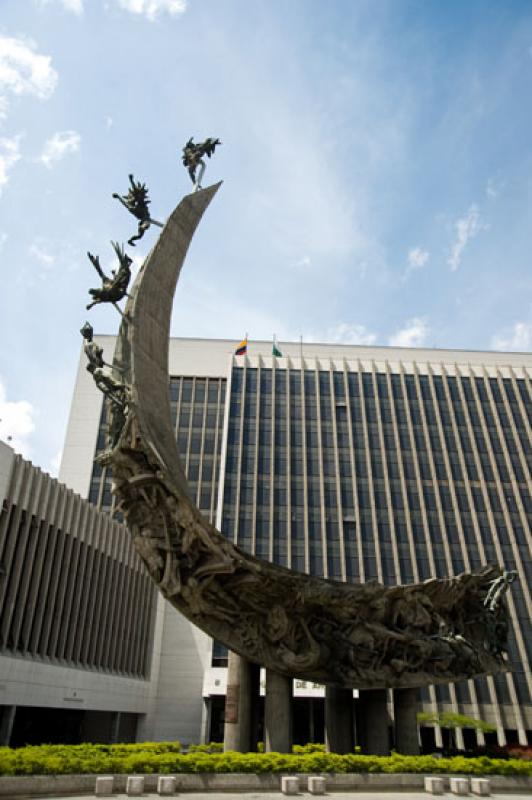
[{"x": 275, "y": 350}]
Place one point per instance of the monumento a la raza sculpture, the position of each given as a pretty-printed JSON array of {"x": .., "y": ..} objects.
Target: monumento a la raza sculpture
[{"x": 349, "y": 635}]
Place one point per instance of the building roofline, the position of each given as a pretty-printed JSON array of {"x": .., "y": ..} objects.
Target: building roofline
[{"x": 365, "y": 347}]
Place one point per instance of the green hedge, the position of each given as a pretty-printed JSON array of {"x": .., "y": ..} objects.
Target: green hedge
[{"x": 166, "y": 758}]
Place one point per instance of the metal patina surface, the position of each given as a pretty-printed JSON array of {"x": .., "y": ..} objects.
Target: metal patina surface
[{"x": 352, "y": 635}]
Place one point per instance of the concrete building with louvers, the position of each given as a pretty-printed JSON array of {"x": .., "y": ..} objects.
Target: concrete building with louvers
[
  {"x": 352, "y": 462},
  {"x": 77, "y": 615}
]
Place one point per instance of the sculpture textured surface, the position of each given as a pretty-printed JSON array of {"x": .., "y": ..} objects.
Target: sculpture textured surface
[{"x": 363, "y": 635}]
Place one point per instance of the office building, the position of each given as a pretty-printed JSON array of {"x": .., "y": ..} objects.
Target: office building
[
  {"x": 357, "y": 463},
  {"x": 77, "y": 615}
]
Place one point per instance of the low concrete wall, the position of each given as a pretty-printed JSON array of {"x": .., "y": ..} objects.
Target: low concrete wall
[{"x": 56, "y": 785}]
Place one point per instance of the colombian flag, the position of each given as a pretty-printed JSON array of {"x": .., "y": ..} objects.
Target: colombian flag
[{"x": 242, "y": 348}]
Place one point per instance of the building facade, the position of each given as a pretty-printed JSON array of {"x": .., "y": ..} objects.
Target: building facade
[
  {"x": 355, "y": 463},
  {"x": 77, "y": 615}
]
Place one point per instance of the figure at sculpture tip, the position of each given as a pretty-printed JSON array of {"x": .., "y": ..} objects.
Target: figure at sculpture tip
[
  {"x": 113, "y": 288},
  {"x": 136, "y": 201},
  {"x": 498, "y": 589},
  {"x": 193, "y": 158}
]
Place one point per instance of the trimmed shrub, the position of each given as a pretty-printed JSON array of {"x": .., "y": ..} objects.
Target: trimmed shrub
[
  {"x": 167, "y": 758},
  {"x": 310, "y": 747},
  {"x": 212, "y": 747}
]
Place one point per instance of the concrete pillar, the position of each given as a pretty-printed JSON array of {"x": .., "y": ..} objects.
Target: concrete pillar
[
  {"x": 278, "y": 713},
  {"x": 241, "y": 703},
  {"x": 405, "y": 708},
  {"x": 254, "y": 693},
  {"x": 7, "y": 720},
  {"x": 339, "y": 720},
  {"x": 115, "y": 728},
  {"x": 373, "y": 734}
]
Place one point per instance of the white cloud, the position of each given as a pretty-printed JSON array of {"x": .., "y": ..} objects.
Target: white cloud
[
  {"x": 16, "y": 422},
  {"x": 349, "y": 333},
  {"x": 466, "y": 228},
  {"x": 417, "y": 258},
  {"x": 492, "y": 189},
  {"x": 3, "y": 240},
  {"x": 414, "y": 334},
  {"x": 303, "y": 262},
  {"x": 9, "y": 155},
  {"x": 75, "y": 6},
  {"x": 39, "y": 251},
  {"x": 24, "y": 71},
  {"x": 152, "y": 8},
  {"x": 519, "y": 337},
  {"x": 58, "y": 146}
]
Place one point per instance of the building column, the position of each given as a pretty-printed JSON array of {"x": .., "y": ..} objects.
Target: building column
[
  {"x": 206, "y": 720},
  {"x": 373, "y": 733},
  {"x": 7, "y": 720},
  {"x": 115, "y": 727},
  {"x": 405, "y": 707},
  {"x": 278, "y": 713},
  {"x": 339, "y": 720},
  {"x": 241, "y": 700}
]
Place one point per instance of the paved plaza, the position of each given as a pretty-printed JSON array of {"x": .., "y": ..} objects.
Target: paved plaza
[{"x": 354, "y": 795}]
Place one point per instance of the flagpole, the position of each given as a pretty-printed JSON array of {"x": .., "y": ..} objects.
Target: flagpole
[{"x": 301, "y": 348}]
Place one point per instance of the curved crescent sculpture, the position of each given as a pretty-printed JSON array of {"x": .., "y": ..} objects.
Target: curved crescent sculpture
[{"x": 351, "y": 635}]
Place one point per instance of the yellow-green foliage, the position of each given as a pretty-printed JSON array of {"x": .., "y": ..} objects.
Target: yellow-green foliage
[
  {"x": 310, "y": 747},
  {"x": 449, "y": 719},
  {"x": 167, "y": 758},
  {"x": 212, "y": 747}
]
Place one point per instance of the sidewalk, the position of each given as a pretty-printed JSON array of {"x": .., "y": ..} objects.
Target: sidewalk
[{"x": 353, "y": 795}]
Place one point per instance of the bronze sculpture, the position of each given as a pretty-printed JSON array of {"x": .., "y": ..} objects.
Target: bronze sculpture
[
  {"x": 136, "y": 201},
  {"x": 93, "y": 351},
  {"x": 362, "y": 635},
  {"x": 498, "y": 589},
  {"x": 115, "y": 391},
  {"x": 114, "y": 288},
  {"x": 193, "y": 157}
]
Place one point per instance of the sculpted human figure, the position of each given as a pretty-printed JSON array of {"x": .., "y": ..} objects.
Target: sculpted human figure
[
  {"x": 114, "y": 390},
  {"x": 136, "y": 201},
  {"x": 93, "y": 351},
  {"x": 412, "y": 612},
  {"x": 113, "y": 288},
  {"x": 308, "y": 656},
  {"x": 498, "y": 589},
  {"x": 193, "y": 157}
]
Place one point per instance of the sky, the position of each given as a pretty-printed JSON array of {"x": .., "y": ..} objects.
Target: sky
[{"x": 376, "y": 161}]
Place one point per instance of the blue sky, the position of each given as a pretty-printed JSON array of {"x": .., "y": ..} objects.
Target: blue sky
[{"x": 376, "y": 162}]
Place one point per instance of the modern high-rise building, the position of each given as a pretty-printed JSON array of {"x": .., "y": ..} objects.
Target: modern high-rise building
[{"x": 352, "y": 462}]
